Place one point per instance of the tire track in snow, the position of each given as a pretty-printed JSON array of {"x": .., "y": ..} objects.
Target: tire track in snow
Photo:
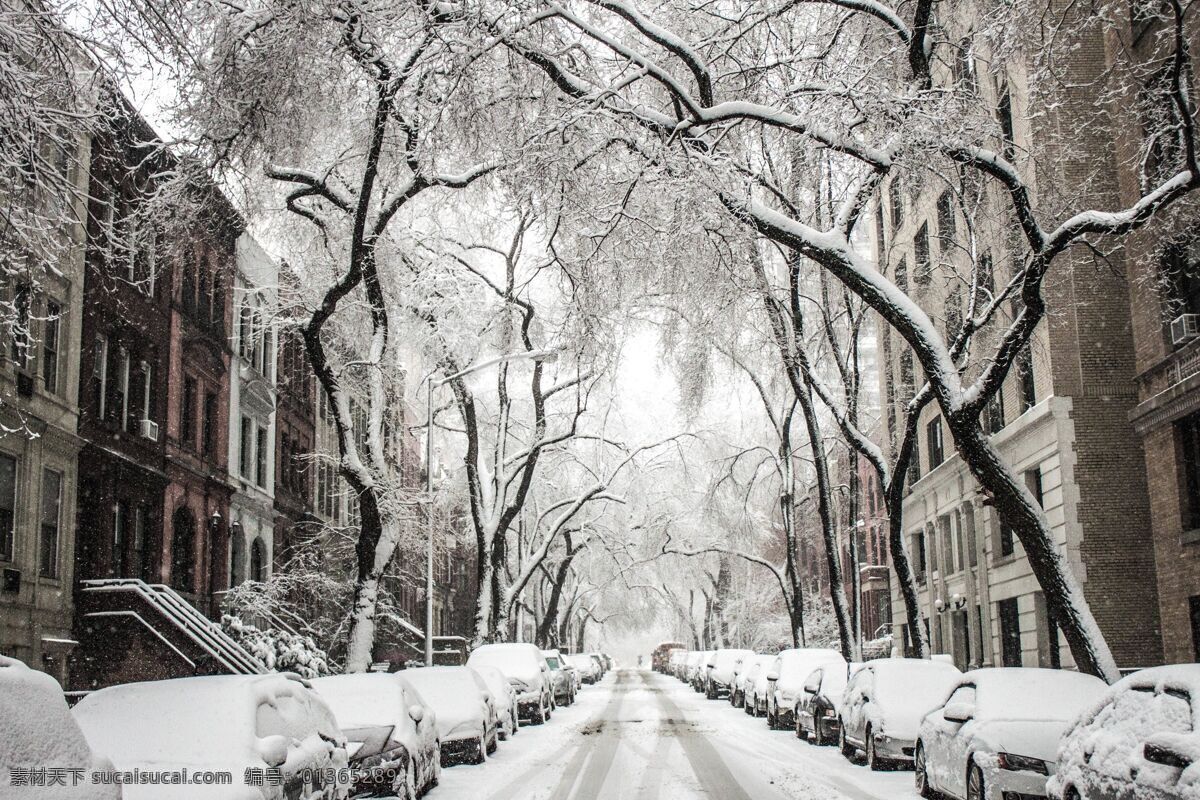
[{"x": 707, "y": 765}]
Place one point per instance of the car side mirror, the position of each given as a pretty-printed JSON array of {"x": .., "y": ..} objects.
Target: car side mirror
[
  {"x": 958, "y": 712},
  {"x": 416, "y": 712},
  {"x": 274, "y": 750},
  {"x": 1161, "y": 753},
  {"x": 772, "y": 676}
]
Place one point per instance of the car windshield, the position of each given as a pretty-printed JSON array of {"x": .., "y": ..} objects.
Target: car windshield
[{"x": 552, "y": 662}]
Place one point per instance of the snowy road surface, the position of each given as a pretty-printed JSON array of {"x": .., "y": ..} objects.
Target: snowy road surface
[{"x": 644, "y": 736}]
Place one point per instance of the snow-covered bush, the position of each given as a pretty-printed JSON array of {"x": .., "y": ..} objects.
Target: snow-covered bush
[{"x": 280, "y": 650}]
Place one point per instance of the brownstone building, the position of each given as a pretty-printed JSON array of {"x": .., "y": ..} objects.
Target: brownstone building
[{"x": 154, "y": 398}]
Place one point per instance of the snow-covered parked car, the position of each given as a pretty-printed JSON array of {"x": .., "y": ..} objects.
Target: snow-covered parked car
[
  {"x": 243, "y": 725},
  {"x": 466, "y": 716},
  {"x": 676, "y": 661},
  {"x": 699, "y": 671},
  {"x": 390, "y": 731},
  {"x": 504, "y": 698},
  {"x": 586, "y": 668},
  {"x": 816, "y": 711},
  {"x": 719, "y": 680},
  {"x": 741, "y": 676},
  {"x": 560, "y": 679},
  {"x": 39, "y": 732},
  {"x": 1140, "y": 740},
  {"x": 757, "y": 687},
  {"x": 884, "y": 704},
  {"x": 997, "y": 734},
  {"x": 526, "y": 670},
  {"x": 785, "y": 679}
]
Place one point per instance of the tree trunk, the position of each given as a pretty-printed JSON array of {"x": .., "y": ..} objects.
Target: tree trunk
[{"x": 1065, "y": 600}]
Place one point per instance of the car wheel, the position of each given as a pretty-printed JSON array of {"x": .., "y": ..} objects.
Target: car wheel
[
  {"x": 843, "y": 745},
  {"x": 975, "y": 783},
  {"x": 818, "y": 737},
  {"x": 1072, "y": 794},
  {"x": 410, "y": 783},
  {"x": 800, "y": 732},
  {"x": 495, "y": 742},
  {"x": 921, "y": 773},
  {"x": 874, "y": 762},
  {"x": 436, "y": 777},
  {"x": 541, "y": 715},
  {"x": 516, "y": 721}
]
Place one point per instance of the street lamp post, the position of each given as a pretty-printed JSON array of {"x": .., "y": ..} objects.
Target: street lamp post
[{"x": 543, "y": 356}]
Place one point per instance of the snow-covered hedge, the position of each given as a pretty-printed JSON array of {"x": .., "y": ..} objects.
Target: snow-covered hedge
[{"x": 280, "y": 650}]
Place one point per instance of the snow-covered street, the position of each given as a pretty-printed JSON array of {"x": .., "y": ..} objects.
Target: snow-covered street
[{"x": 638, "y": 734}]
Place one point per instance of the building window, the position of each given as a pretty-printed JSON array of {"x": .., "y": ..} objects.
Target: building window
[
  {"x": 902, "y": 273},
  {"x": 1004, "y": 116},
  {"x": 260, "y": 458},
  {"x": 22, "y": 335},
  {"x": 244, "y": 445},
  {"x": 187, "y": 427},
  {"x": 8, "y": 505},
  {"x": 933, "y": 443},
  {"x": 51, "y": 512},
  {"x": 945, "y": 222},
  {"x": 1024, "y": 365},
  {"x": 993, "y": 413},
  {"x": 1180, "y": 278},
  {"x": 922, "y": 265},
  {"x": 50, "y": 347},
  {"x": 100, "y": 375},
  {"x": 120, "y": 538},
  {"x": 1010, "y": 633},
  {"x": 140, "y": 555},
  {"x": 896, "y": 201},
  {"x": 258, "y": 560},
  {"x": 1033, "y": 482},
  {"x": 245, "y": 328},
  {"x": 183, "y": 550},
  {"x": 1007, "y": 544},
  {"x": 1189, "y": 436},
  {"x": 880, "y": 234},
  {"x": 919, "y": 556},
  {"x": 210, "y": 424}
]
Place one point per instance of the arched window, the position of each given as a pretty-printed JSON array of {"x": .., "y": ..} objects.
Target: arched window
[
  {"x": 183, "y": 550},
  {"x": 258, "y": 560},
  {"x": 237, "y": 555}
]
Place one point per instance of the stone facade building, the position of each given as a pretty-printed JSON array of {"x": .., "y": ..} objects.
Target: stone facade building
[
  {"x": 252, "y": 405},
  {"x": 1061, "y": 420},
  {"x": 39, "y": 408}
]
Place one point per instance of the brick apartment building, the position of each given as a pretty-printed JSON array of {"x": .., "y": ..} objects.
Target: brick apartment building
[
  {"x": 1163, "y": 265},
  {"x": 1061, "y": 420}
]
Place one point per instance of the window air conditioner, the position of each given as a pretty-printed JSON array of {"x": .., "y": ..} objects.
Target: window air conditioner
[
  {"x": 149, "y": 429},
  {"x": 1184, "y": 328}
]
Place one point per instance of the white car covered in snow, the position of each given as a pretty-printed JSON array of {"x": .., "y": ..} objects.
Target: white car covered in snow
[
  {"x": 585, "y": 666},
  {"x": 561, "y": 679},
  {"x": 785, "y": 679},
  {"x": 38, "y": 731},
  {"x": 757, "y": 687},
  {"x": 504, "y": 698},
  {"x": 998, "y": 732},
  {"x": 743, "y": 678},
  {"x": 721, "y": 665},
  {"x": 242, "y": 725},
  {"x": 390, "y": 731},
  {"x": 884, "y": 704},
  {"x": 466, "y": 716},
  {"x": 1139, "y": 741},
  {"x": 526, "y": 670}
]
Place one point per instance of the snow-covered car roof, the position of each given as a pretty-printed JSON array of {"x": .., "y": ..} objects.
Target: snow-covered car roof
[
  {"x": 1030, "y": 692},
  {"x": 457, "y": 694},
  {"x": 514, "y": 659},
  {"x": 797, "y": 663},
  {"x": 906, "y": 689},
  {"x": 366, "y": 699},
  {"x": 39, "y": 731}
]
